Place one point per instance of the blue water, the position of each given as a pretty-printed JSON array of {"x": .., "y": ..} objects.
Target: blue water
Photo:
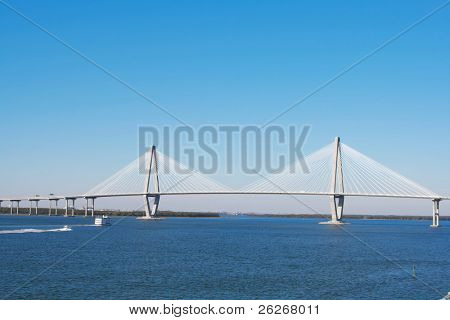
[{"x": 223, "y": 258}]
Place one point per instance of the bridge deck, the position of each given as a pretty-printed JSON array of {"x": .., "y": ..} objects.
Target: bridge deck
[{"x": 53, "y": 198}]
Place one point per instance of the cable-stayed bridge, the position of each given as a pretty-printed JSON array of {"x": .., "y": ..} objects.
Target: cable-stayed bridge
[{"x": 336, "y": 171}]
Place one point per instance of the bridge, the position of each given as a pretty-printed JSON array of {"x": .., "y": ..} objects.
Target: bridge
[{"x": 336, "y": 171}]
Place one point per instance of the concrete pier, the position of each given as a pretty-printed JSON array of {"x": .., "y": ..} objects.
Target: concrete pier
[
  {"x": 89, "y": 208},
  {"x": 435, "y": 223},
  {"x": 70, "y": 207},
  {"x": 17, "y": 203},
  {"x": 155, "y": 206},
  {"x": 36, "y": 204},
  {"x": 50, "y": 209}
]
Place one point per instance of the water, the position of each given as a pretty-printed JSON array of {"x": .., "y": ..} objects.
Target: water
[{"x": 223, "y": 258}]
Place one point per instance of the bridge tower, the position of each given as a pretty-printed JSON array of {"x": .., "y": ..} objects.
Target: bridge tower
[
  {"x": 152, "y": 211},
  {"x": 337, "y": 185}
]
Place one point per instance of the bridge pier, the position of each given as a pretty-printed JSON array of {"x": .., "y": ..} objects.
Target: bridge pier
[
  {"x": 89, "y": 208},
  {"x": 50, "y": 209},
  {"x": 31, "y": 206},
  {"x": 36, "y": 206},
  {"x": 151, "y": 211},
  {"x": 337, "y": 208},
  {"x": 17, "y": 203},
  {"x": 155, "y": 206},
  {"x": 148, "y": 210},
  {"x": 71, "y": 207},
  {"x": 435, "y": 223}
]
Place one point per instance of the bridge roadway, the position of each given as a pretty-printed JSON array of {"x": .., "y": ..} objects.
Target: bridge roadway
[{"x": 95, "y": 196}]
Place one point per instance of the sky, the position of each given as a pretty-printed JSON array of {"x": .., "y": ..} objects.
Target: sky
[{"x": 67, "y": 125}]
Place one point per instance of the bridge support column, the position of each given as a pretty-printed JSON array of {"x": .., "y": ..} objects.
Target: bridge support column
[
  {"x": 73, "y": 207},
  {"x": 17, "y": 202},
  {"x": 151, "y": 211},
  {"x": 337, "y": 208},
  {"x": 66, "y": 211},
  {"x": 50, "y": 207},
  {"x": 12, "y": 207},
  {"x": 37, "y": 207},
  {"x": 155, "y": 206},
  {"x": 70, "y": 207},
  {"x": 148, "y": 210},
  {"x": 89, "y": 208},
  {"x": 435, "y": 213}
]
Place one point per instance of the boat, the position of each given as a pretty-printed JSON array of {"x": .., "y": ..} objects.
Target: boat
[
  {"x": 447, "y": 297},
  {"x": 102, "y": 221}
]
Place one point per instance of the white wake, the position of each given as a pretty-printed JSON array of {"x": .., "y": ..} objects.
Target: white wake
[{"x": 18, "y": 231}]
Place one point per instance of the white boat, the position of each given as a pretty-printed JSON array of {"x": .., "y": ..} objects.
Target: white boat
[{"x": 102, "y": 221}]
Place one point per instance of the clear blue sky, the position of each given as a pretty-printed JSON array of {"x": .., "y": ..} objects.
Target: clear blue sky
[{"x": 66, "y": 125}]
